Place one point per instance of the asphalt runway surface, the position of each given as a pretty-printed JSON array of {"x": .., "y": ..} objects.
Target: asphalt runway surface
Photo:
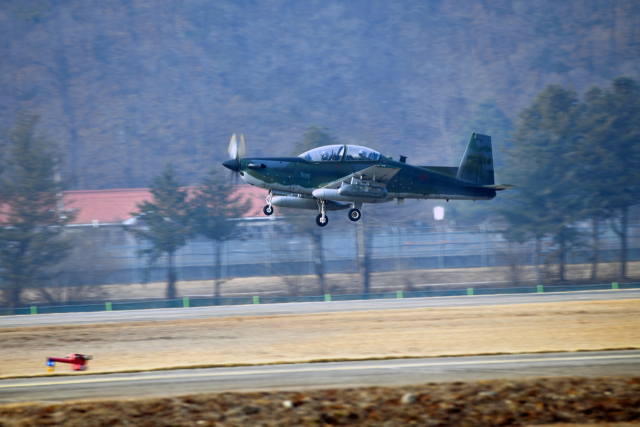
[
  {"x": 307, "y": 308},
  {"x": 321, "y": 375}
]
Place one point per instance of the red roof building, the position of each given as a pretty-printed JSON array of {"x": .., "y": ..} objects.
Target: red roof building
[{"x": 115, "y": 206}]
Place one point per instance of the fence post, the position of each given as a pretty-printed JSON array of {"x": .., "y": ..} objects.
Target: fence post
[
  {"x": 540, "y": 289},
  {"x": 441, "y": 248},
  {"x": 399, "y": 294},
  {"x": 327, "y": 297},
  {"x": 185, "y": 302},
  {"x": 108, "y": 306},
  {"x": 469, "y": 291},
  {"x": 614, "y": 285},
  {"x": 256, "y": 299},
  {"x": 34, "y": 309},
  {"x": 483, "y": 254}
]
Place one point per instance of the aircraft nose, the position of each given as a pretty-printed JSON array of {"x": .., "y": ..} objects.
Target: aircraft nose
[{"x": 232, "y": 164}]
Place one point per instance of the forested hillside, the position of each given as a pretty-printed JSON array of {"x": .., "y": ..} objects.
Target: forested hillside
[{"x": 125, "y": 86}]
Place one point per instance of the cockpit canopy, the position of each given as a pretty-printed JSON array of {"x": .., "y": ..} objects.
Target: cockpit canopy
[{"x": 335, "y": 153}]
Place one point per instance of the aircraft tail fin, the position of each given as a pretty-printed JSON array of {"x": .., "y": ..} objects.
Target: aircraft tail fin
[{"x": 476, "y": 166}]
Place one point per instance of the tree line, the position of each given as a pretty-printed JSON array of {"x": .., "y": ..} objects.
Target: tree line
[
  {"x": 33, "y": 243},
  {"x": 572, "y": 160},
  {"x": 180, "y": 76},
  {"x": 575, "y": 160}
]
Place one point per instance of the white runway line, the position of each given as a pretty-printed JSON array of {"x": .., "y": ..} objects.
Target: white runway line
[{"x": 323, "y": 369}]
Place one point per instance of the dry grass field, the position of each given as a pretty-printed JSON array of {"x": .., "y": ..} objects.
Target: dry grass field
[
  {"x": 407, "y": 280},
  {"x": 571, "y": 326}
]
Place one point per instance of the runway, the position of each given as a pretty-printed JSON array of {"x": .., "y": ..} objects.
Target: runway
[
  {"x": 306, "y": 308},
  {"x": 321, "y": 375}
]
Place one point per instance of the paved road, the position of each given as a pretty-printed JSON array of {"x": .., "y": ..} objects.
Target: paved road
[
  {"x": 321, "y": 375},
  {"x": 309, "y": 307}
]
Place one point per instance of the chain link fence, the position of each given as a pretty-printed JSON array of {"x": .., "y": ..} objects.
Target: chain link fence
[
  {"x": 205, "y": 302},
  {"x": 272, "y": 249}
]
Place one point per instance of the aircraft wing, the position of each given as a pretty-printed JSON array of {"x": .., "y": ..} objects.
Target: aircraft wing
[{"x": 379, "y": 174}]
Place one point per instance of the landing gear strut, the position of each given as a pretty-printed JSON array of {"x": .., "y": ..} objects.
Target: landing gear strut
[
  {"x": 322, "y": 219},
  {"x": 268, "y": 210}
]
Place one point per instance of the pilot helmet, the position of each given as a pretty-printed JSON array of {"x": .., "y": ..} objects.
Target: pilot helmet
[{"x": 362, "y": 153}]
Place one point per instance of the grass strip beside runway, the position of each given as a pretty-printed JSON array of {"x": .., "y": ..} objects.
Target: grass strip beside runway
[{"x": 525, "y": 328}]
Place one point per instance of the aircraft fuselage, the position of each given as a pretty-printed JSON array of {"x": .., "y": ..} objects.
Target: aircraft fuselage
[{"x": 298, "y": 175}]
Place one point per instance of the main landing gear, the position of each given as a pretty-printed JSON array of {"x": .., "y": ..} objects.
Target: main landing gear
[
  {"x": 354, "y": 215},
  {"x": 268, "y": 210},
  {"x": 354, "y": 212},
  {"x": 322, "y": 220}
]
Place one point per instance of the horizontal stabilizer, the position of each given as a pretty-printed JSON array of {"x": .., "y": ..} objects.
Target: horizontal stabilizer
[
  {"x": 499, "y": 187},
  {"x": 495, "y": 187},
  {"x": 379, "y": 173}
]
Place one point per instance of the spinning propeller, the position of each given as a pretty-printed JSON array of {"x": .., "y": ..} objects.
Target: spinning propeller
[{"x": 236, "y": 152}]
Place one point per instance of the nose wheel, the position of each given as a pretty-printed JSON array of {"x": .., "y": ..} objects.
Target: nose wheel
[{"x": 355, "y": 215}]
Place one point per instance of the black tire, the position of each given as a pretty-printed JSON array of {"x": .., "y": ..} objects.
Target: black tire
[
  {"x": 325, "y": 222},
  {"x": 354, "y": 215},
  {"x": 268, "y": 210}
]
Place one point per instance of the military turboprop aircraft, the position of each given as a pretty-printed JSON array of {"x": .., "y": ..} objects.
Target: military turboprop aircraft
[{"x": 336, "y": 177}]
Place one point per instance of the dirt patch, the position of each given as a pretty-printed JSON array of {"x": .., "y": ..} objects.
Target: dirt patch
[
  {"x": 484, "y": 403},
  {"x": 572, "y": 326}
]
